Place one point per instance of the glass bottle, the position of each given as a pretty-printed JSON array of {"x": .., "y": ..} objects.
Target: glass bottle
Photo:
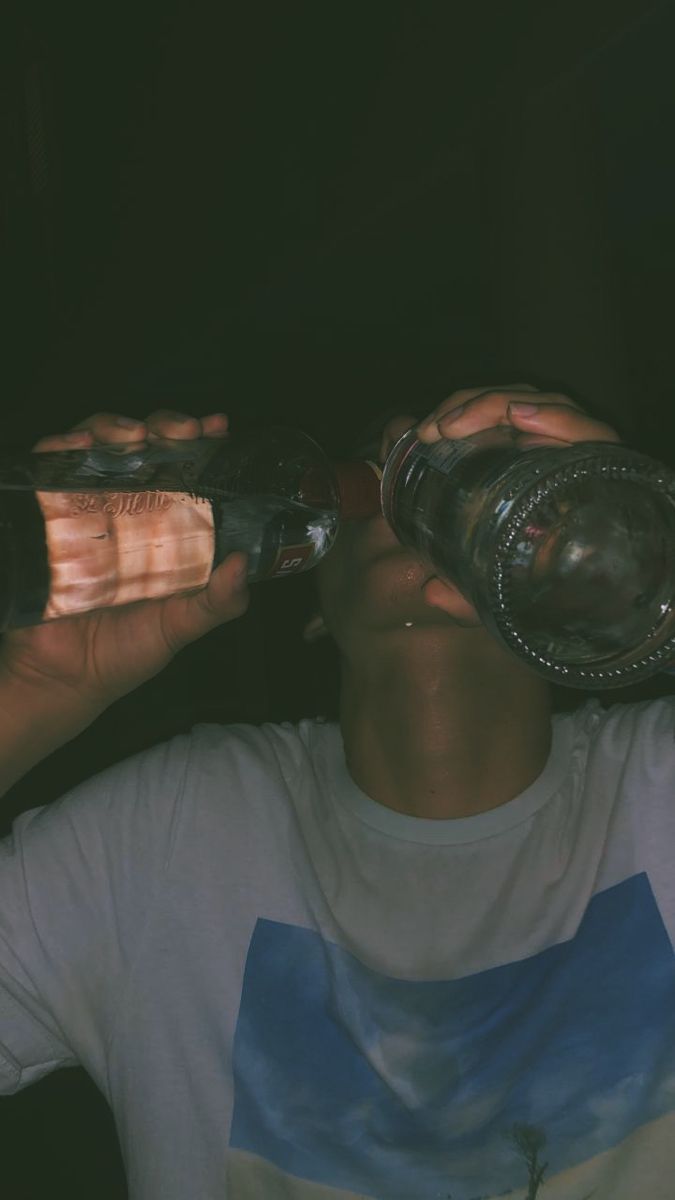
[
  {"x": 88, "y": 529},
  {"x": 567, "y": 553}
]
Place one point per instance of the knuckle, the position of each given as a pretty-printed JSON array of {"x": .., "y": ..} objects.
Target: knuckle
[
  {"x": 562, "y": 401},
  {"x": 168, "y": 416},
  {"x": 104, "y": 426},
  {"x": 97, "y": 419},
  {"x": 450, "y": 415},
  {"x": 502, "y": 396},
  {"x": 461, "y": 395}
]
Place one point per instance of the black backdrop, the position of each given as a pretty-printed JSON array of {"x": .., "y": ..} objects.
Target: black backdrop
[{"x": 305, "y": 212}]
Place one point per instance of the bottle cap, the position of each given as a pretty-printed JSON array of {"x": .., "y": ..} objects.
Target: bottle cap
[{"x": 358, "y": 483}]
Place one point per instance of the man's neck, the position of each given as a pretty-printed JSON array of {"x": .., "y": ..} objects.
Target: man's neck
[{"x": 437, "y": 732}]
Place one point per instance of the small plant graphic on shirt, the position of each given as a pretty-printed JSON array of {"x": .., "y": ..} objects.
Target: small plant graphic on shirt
[{"x": 529, "y": 1141}]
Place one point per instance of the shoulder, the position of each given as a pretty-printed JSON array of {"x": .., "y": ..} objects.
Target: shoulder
[
  {"x": 282, "y": 748},
  {"x": 246, "y": 770},
  {"x": 622, "y": 726},
  {"x": 142, "y": 799},
  {"x": 243, "y": 785},
  {"x": 634, "y": 741}
]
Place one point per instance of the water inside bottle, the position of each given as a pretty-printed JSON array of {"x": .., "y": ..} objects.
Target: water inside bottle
[{"x": 592, "y": 570}]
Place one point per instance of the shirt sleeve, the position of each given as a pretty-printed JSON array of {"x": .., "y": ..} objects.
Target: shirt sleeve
[{"x": 78, "y": 883}]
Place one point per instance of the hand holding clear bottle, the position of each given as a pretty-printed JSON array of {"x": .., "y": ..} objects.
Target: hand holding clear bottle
[
  {"x": 555, "y": 421},
  {"x": 545, "y": 528},
  {"x": 536, "y": 521},
  {"x": 99, "y": 656}
]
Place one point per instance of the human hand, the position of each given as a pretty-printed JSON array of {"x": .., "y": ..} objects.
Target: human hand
[
  {"x": 536, "y": 418},
  {"x": 96, "y": 657}
]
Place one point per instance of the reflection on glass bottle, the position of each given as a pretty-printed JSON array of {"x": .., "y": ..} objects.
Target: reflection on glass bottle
[
  {"x": 82, "y": 530},
  {"x": 567, "y": 553}
]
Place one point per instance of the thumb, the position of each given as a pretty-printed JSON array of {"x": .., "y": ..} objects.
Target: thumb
[
  {"x": 225, "y": 597},
  {"x": 442, "y": 594}
]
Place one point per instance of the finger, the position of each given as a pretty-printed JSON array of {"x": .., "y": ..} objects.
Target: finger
[
  {"x": 167, "y": 423},
  {"x": 525, "y": 441},
  {"x": 215, "y": 425},
  {"x": 460, "y": 401},
  {"x": 76, "y": 439},
  {"x": 491, "y": 409},
  {"x": 225, "y": 598},
  {"x": 113, "y": 428},
  {"x": 462, "y": 395},
  {"x": 562, "y": 421},
  {"x": 127, "y": 432},
  {"x": 427, "y": 430},
  {"x": 102, "y": 428}
]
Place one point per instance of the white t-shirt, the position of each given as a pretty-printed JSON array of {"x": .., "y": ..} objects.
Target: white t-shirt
[{"x": 286, "y": 990}]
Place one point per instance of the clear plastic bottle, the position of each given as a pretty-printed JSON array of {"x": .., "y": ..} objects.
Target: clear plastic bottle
[
  {"x": 88, "y": 529},
  {"x": 567, "y": 553}
]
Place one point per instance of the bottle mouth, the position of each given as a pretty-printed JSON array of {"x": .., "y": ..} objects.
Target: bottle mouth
[
  {"x": 359, "y": 488},
  {"x": 580, "y": 568}
]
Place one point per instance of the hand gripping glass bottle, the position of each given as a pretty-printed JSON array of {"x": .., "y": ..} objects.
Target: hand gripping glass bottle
[
  {"x": 89, "y": 529},
  {"x": 567, "y": 553}
]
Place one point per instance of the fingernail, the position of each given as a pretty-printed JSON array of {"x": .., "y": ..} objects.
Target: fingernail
[
  {"x": 128, "y": 423},
  {"x": 523, "y": 410}
]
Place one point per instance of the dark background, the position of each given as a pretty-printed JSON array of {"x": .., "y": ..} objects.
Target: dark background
[{"x": 309, "y": 212}]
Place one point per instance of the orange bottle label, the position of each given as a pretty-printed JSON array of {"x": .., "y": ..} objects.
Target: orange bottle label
[{"x": 110, "y": 548}]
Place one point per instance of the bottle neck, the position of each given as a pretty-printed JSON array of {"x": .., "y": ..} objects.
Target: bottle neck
[{"x": 358, "y": 485}]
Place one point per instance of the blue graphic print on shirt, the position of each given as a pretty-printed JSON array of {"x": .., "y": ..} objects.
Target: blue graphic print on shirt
[{"x": 395, "y": 1089}]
